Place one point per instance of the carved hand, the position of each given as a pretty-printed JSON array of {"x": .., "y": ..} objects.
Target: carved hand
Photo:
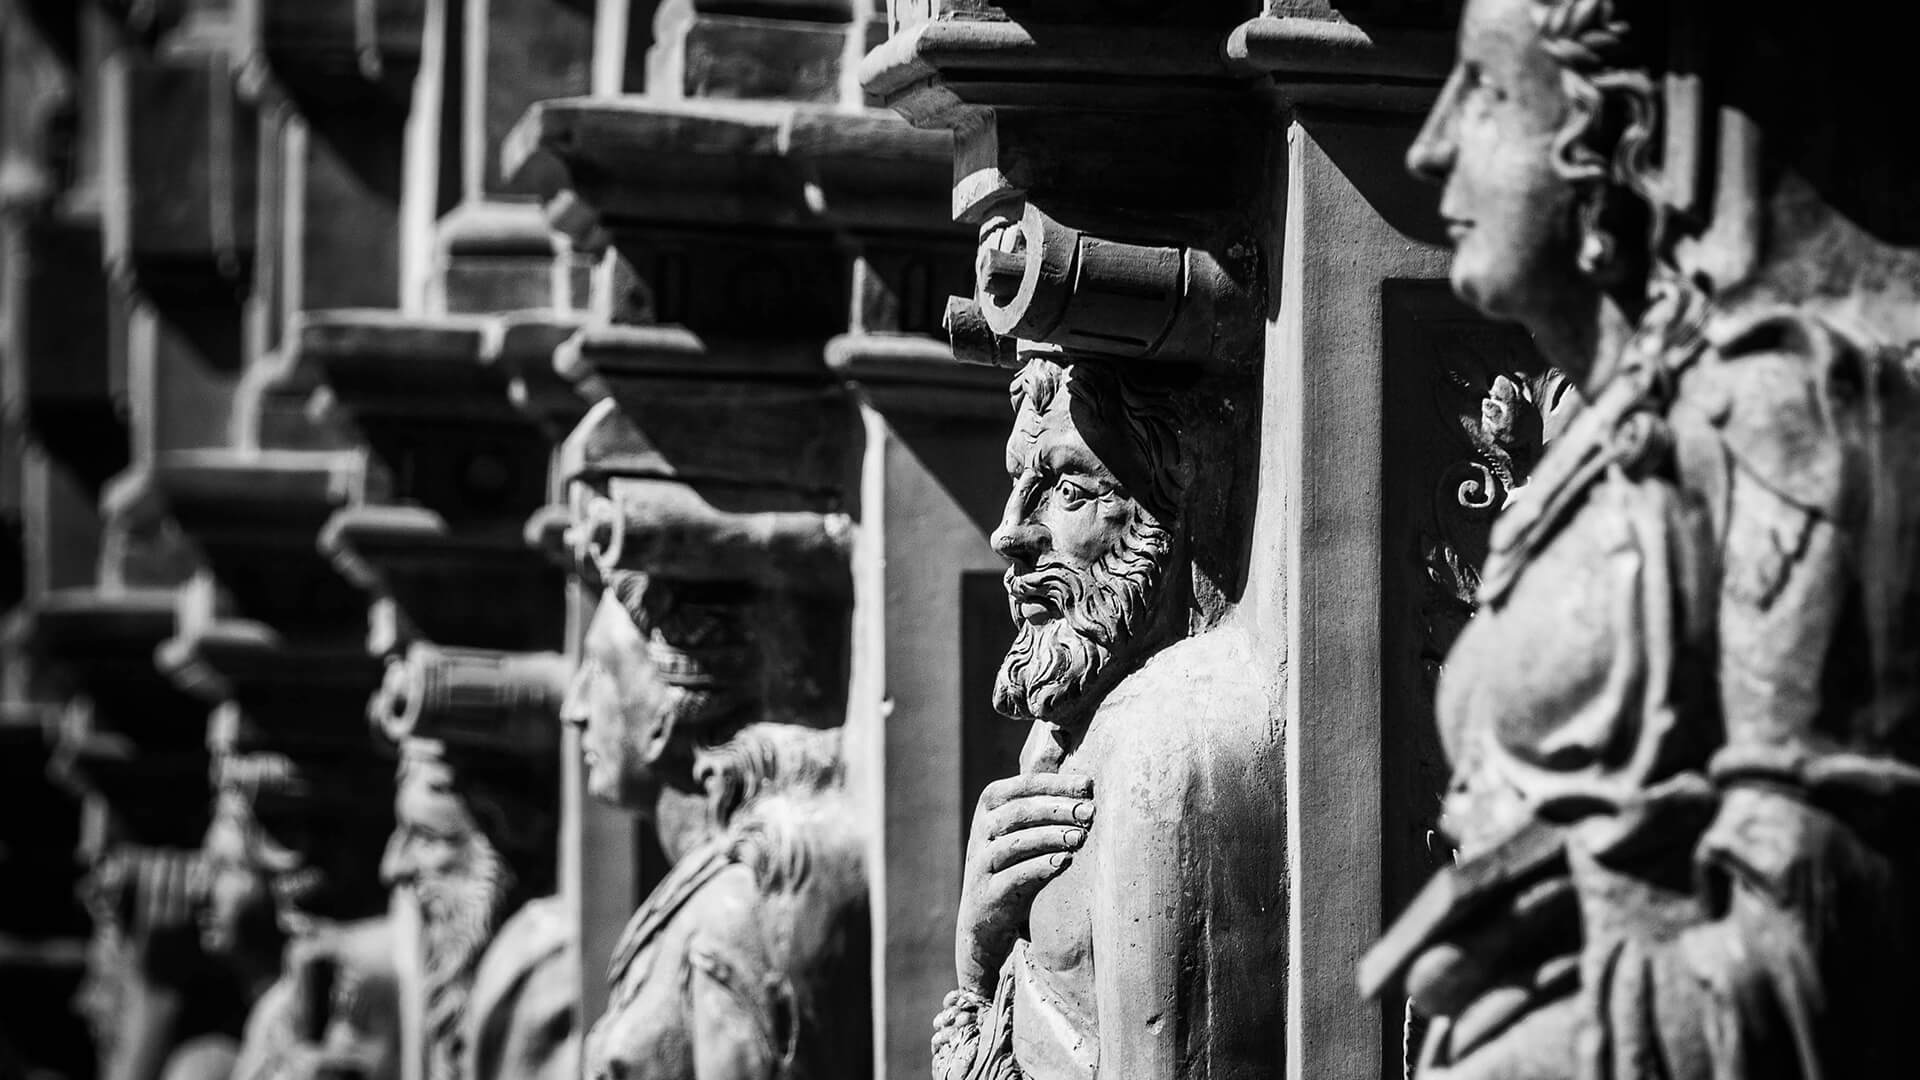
[{"x": 1025, "y": 832}]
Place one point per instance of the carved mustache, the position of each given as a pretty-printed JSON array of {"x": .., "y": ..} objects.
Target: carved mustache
[{"x": 1052, "y": 585}]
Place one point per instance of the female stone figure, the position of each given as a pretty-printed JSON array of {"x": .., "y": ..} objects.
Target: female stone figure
[
  {"x": 701, "y": 709},
  {"x": 1681, "y": 726}
]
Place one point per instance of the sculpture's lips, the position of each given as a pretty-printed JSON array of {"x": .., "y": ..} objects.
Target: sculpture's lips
[
  {"x": 1030, "y": 600},
  {"x": 1458, "y": 228}
]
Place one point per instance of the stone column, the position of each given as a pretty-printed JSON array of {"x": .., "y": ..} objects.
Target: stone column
[
  {"x": 428, "y": 385},
  {"x": 1115, "y": 172},
  {"x": 754, "y": 210},
  {"x": 62, "y": 439}
]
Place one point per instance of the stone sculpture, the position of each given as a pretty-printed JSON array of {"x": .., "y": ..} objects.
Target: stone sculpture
[
  {"x": 750, "y": 958},
  {"x": 238, "y": 921},
  {"x": 155, "y": 1003},
  {"x": 1681, "y": 726},
  {"x": 307, "y": 830},
  {"x": 1110, "y": 886},
  {"x": 475, "y": 831},
  {"x": 709, "y": 699}
]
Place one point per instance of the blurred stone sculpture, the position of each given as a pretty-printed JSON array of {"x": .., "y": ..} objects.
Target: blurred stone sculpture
[
  {"x": 475, "y": 838},
  {"x": 1122, "y": 878},
  {"x": 157, "y": 1005},
  {"x": 1681, "y": 726},
  {"x": 709, "y": 698},
  {"x": 308, "y": 830}
]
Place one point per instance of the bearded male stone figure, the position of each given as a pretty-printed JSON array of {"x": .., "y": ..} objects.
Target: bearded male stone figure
[
  {"x": 1121, "y": 894},
  {"x": 296, "y": 824},
  {"x": 708, "y": 710},
  {"x": 473, "y": 839}
]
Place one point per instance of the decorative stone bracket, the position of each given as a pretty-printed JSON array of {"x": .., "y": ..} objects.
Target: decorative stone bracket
[
  {"x": 1040, "y": 281},
  {"x": 474, "y": 697}
]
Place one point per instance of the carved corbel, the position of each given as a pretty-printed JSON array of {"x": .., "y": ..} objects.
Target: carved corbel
[
  {"x": 125, "y": 733},
  {"x": 1038, "y": 280},
  {"x": 334, "y": 52},
  {"x": 1094, "y": 239},
  {"x": 443, "y": 546},
  {"x": 179, "y": 190},
  {"x": 481, "y": 697},
  {"x": 521, "y": 347}
]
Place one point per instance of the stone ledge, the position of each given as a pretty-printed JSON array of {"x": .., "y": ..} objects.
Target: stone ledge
[{"x": 734, "y": 164}]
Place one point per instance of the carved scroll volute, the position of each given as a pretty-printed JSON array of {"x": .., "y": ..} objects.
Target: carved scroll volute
[
  {"x": 475, "y": 697},
  {"x": 629, "y": 509},
  {"x": 1038, "y": 280}
]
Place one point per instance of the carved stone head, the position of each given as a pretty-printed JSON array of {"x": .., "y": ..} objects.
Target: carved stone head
[
  {"x": 463, "y": 834},
  {"x": 1092, "y": 534},
  {"x": 309, "y": 832},
  {"x": 1540, "y": 140},
  {"x": 671, "y": 669},
  {"x": 237, "y": 922}
]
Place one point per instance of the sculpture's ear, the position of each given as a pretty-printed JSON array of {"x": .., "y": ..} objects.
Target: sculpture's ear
[{"x": 656, "y": 729}]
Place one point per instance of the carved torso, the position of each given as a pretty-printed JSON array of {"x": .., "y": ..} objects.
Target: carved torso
[
  {"x": 1182, "y": 794},
  {"x": 1671, "y": 664},
  {"x": 522, "y": 1020},
  {"x": 748, "y": 960}
]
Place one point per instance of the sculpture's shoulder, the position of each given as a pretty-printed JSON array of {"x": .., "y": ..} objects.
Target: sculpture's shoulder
[
  {"x": 522, "y": 1017},
  {"x": 807, "y": 842},
  {"x": 536, "y": 938},
  {"x": 1199, "y": 700},
  {"x": 268, "y": 1034},
  {"x": 1798, "y": 403},
  {"x": 205, "y": 1057}
]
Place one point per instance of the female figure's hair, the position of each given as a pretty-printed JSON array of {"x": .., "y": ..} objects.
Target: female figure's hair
[{"x": 1606, "y": 143}]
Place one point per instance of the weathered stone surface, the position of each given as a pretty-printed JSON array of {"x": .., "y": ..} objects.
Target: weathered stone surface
[{"x": 1679, "y": 760}]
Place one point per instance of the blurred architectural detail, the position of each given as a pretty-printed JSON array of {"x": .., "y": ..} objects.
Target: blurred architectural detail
[
  {"x": 1679, "y": 726},
  {"x": 855, "y": 515}
]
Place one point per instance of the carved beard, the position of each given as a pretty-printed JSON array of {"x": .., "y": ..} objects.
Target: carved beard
[
  {"x": 1102, "y": 608},
  {"x": 458, "y": 915}
]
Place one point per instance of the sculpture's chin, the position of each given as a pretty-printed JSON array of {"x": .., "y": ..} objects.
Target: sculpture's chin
[{"x": 1049, "y": 673}]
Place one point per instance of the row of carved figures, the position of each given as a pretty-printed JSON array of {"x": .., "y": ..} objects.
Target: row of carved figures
[{"x": 1680, "y": 724}]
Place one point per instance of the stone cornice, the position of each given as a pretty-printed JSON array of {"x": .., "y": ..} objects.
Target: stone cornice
[
  {"x": 908, "y": 374},
  {"x": 479, "y": 587},
  {"x": 380, "y": 368},
  {"x": 246, "y": 662},
  {"x": 333, "y": 55},
  {"x": 746, "y": 418},
  {"x": 275, "y": 499},
  {"x": 638, "y": 162},
  {"x": 521, "y": 347}
]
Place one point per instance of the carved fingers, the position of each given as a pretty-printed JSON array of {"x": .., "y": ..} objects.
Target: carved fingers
[
  {"x": 1029, "y": 826},
  {"x": 1025, "y": 832}
]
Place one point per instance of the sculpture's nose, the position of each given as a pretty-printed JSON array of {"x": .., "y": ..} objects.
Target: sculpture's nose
[
  {"x": 1019, "y": 539},
  {"x": 396, "y": 868},
  {"x": 573, "y": 707},
  {"x": 1431, "y": 157}
]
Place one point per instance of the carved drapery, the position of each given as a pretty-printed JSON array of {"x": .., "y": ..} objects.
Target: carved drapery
[{"x": 1680, "y": 878}]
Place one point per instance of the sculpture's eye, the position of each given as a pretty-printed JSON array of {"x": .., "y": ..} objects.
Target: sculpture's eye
[
  {"x": 1478, "y": 81},
  {"x": 1072, "y": 493}
]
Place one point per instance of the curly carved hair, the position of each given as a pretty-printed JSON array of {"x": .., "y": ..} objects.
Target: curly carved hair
[
  {"x": 1154, "y": 420},
  {"x": 1613, "y": 106}
]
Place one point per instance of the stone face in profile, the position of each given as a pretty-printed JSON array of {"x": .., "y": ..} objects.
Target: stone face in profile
[
  {"x": 1098, "y": 898},
  {"x": 1680, "y": 725},
  {"x": 302, "y": 826},
  {"x": 701, "y": 713},
  {"x": 474, "y": 823}
]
